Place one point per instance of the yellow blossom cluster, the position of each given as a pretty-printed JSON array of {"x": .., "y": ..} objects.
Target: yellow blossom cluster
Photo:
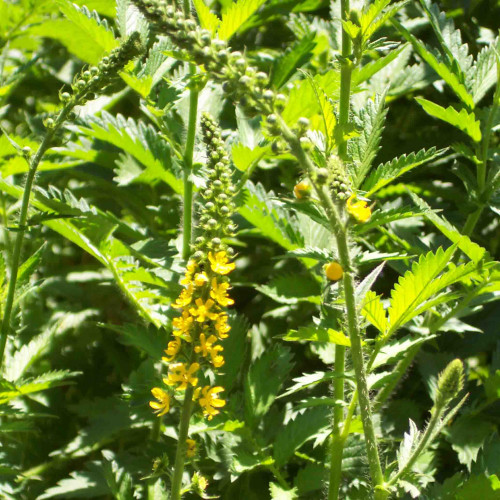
[{"x": 197, "y": 332}]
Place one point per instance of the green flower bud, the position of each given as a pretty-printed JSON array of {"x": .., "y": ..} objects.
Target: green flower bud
[
  {"x": 322, "y": 175},
  {"x": 450, "y": 382}
]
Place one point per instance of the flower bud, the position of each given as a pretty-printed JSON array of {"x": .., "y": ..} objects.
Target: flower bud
[
  {"x": 302, "y": 190},
  {"x": 450, "y": 382},
  {"x": 333, "y": 271}
]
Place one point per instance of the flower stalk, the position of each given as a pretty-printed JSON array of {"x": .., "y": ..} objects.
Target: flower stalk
[{"x": 85, "y": 86}]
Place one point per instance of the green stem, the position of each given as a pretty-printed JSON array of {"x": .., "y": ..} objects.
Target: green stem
[
  {"x": 188, "y": 168},
  {"x": 23, "y": 216},
  {"x": 6, "y": 235},
  {"x": 352, "y": 315},
  {"x": 180, "y": 454},
  {"x": 337, "y": 442}
]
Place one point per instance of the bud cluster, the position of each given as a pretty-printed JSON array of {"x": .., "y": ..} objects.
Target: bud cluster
[
  {"x": 91, "y": 80},
  {"x": 218, "y": 207}
]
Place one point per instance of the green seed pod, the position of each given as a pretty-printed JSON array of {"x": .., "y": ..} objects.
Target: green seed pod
[{"x": 322, "y": 175}]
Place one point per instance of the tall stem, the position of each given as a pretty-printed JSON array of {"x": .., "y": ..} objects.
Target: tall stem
[
  {"x": 337, "y": 442},
  {"x": 23, "y": 217},
  {"x": 188, "y": 168},
  {"x": 180, "y": 454}
]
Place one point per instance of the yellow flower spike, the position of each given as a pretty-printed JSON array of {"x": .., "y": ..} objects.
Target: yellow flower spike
[
  {"x": 200, "y": 279},
  {"x": 191, "y": 448},
  {"x": 182, "y": 325},
  {"x": 202, "y": 310},
  {"x": 162, "y": 406},
  {"x": 334, "y": 271},
  {"x": 217, "y": 359},
  {"x": 178, "y": 374},
  {"x": 358, "y": 209},
  {"x": 221, "y": 326},
  {"x": 302, "y": 190},
  {"x": 173, "y": 347},
  {"x": 211, "y": 401},
  {"x": 218, "y": 292},
  {"x": 184, "y": 298},
  {"x": 220, "y": 263}
]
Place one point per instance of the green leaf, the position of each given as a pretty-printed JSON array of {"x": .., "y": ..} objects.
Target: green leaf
[
  {"x": 462, "y": 120},
  {"x": 279, "y": 493},
  {"x": 298, "y": 431},
  {"x": 236, "y": 15},
  {"x": 474, "y": 251},
  {"x": 408, "y": 445},
  {"x": 299, "y": 54},
  {"x": 316, "y": 334},
  {"x": 265, "y": 214},
  {"x": 385, "y": 216},
  {"x": 394, "y": 350},
  {"x": 483, "y": 74},
  {"x": 83, "y": 33},
  {"x": 480, "y": 486},
  {"x": 306, "y": 381},
  {"x": 46, "y": 381},
  {"x": 439, "y": 67},
  {"x": 363, "y": 149},
  {"x": 264, "y": 380},
  {"x": 130, "y": 20},
  {"x": 140, "y": 141},
  {"x": 375, "y": 15},
  {"x": 244, "y": 157},
  {"x": 410, "y": 296},
  {"x": 292, "y": 289},
  {"x": 208, "y": 20},
  {"x": 387, "y": 172},
  {"x": 373, "y": 311}
]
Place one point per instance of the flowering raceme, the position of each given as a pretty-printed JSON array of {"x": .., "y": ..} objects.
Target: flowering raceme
[{"x": 202, "y": 320}]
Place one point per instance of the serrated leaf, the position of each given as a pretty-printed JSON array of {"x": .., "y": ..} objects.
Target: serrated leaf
[
  {"x": 264, "y": 213},
  {"x": 264, "y": 380},
  {"x": 462, "y": 120},
  {"x": 140, "y": 141},
  {"x": 385, "y": 216},
  {"x": 244, "y": 157},
  {"x": 208, "y": 20},
  {"x": 395, "y": 349},
  {"x": 483, "y": 74},
  {"x": 373, "y": 311},
  {"x": 316, "y": 334},
  {"x": 408, "y": 445},
  {"x": 385, "y": 173},
  {"x": 474, "y": 251},
  {"x": 130, "y": 20},
  {"x": 363, "y": 149},
  {"x": 439, "y": 67},
  {"x": 83, "y": 33},
  {"x": 298, "y": 431},
  {"x": 43, "y": 382},
  {"x": 375, "y": 15},
  {"x": 297, "y": 56},
  {"x": 306, "y": 381},
  {"x": 412, "y": 294},
  {"x": 236, "y": 15}
]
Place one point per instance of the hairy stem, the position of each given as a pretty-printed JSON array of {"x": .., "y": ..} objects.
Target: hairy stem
[
  {"x": 337, "y": 442},
  {"x": 188, "y": 168},
  {"x": 180, "y": 454},
  {"x": 21, "y": 229}
]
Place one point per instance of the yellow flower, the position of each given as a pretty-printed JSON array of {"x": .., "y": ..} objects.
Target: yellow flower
[
  {"x": 163, "y": 406},
  {"x": 190, "y": 269},
  {"x": 217, "y": 359},
  {"x": 200, "y": 279},
  {"x": 205, "y": 344},
  {"x": 184, "y": 298},
  {"x": 220, "y": 263},
  {"x": 358, "y": 209},
  {"x": 221, "y": 326},
  {"x": 218, "y": 292},
  {"x": 173, "y": 347},
  {"x": 182, "y": 325},
  {"x": 191, "y": 448},
  {"x": 334, "y": 271},
  {"x": 302, "y": 190},
  {"x": 211, "y": 401},
  {"x": 179, "y": 375},
  {"x": 202, "y": 310}
]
